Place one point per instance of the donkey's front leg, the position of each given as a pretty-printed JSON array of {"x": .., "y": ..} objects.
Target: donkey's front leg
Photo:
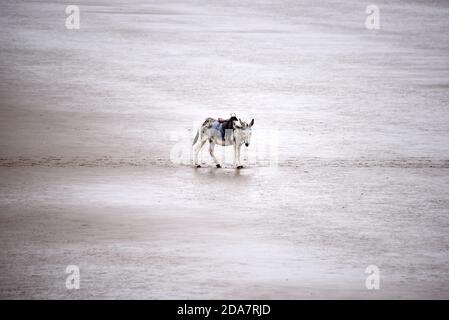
[
  {"x": 237, "y": 156},
  {"x": 211, "y": 152}
]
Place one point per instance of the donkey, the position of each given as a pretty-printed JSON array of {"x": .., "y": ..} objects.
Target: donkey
[{"x": 236, "y": 134}]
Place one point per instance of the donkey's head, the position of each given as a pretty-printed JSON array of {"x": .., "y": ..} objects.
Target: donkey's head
[{"x": 243, "y": 131}]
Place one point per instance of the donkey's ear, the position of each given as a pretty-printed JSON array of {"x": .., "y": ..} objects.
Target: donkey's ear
[
  {"x": 251, "y": 123},
  {"x": 241, "y": 122},
  {"x": 236, "y": 125}
]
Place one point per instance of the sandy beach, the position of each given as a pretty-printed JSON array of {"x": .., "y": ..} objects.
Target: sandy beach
[{"x": 348, "y": 165}]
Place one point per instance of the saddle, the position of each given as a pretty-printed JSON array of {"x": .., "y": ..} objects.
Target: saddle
[{"x": 224, "y": 125}]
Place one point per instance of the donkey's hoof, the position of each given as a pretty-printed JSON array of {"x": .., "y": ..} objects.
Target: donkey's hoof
[
  {"x": 218, "y": 165},
  {"x": 198, "y": 166},
  {"x": 239, "y": 167}
]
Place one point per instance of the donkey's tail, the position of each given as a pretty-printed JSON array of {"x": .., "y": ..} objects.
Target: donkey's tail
[
  {"x": 196, "y": 138},
  {"x": 206, "y": 124}
]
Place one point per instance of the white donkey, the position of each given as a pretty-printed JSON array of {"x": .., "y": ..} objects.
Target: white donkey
[{"x": 226, "y": 133}]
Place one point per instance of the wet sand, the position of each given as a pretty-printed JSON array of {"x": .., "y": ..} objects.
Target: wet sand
[
  {"x": 257, "y": 233},
  {"x": 348, "y": 166}
]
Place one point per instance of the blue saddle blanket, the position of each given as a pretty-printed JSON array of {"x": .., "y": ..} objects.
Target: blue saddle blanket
[{"x": 219, "y": 127}]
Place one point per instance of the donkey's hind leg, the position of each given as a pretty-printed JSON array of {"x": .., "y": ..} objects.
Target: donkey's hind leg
[
  {"x": 197, "y": 150},
  {"x": 211, "y": 152}
]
